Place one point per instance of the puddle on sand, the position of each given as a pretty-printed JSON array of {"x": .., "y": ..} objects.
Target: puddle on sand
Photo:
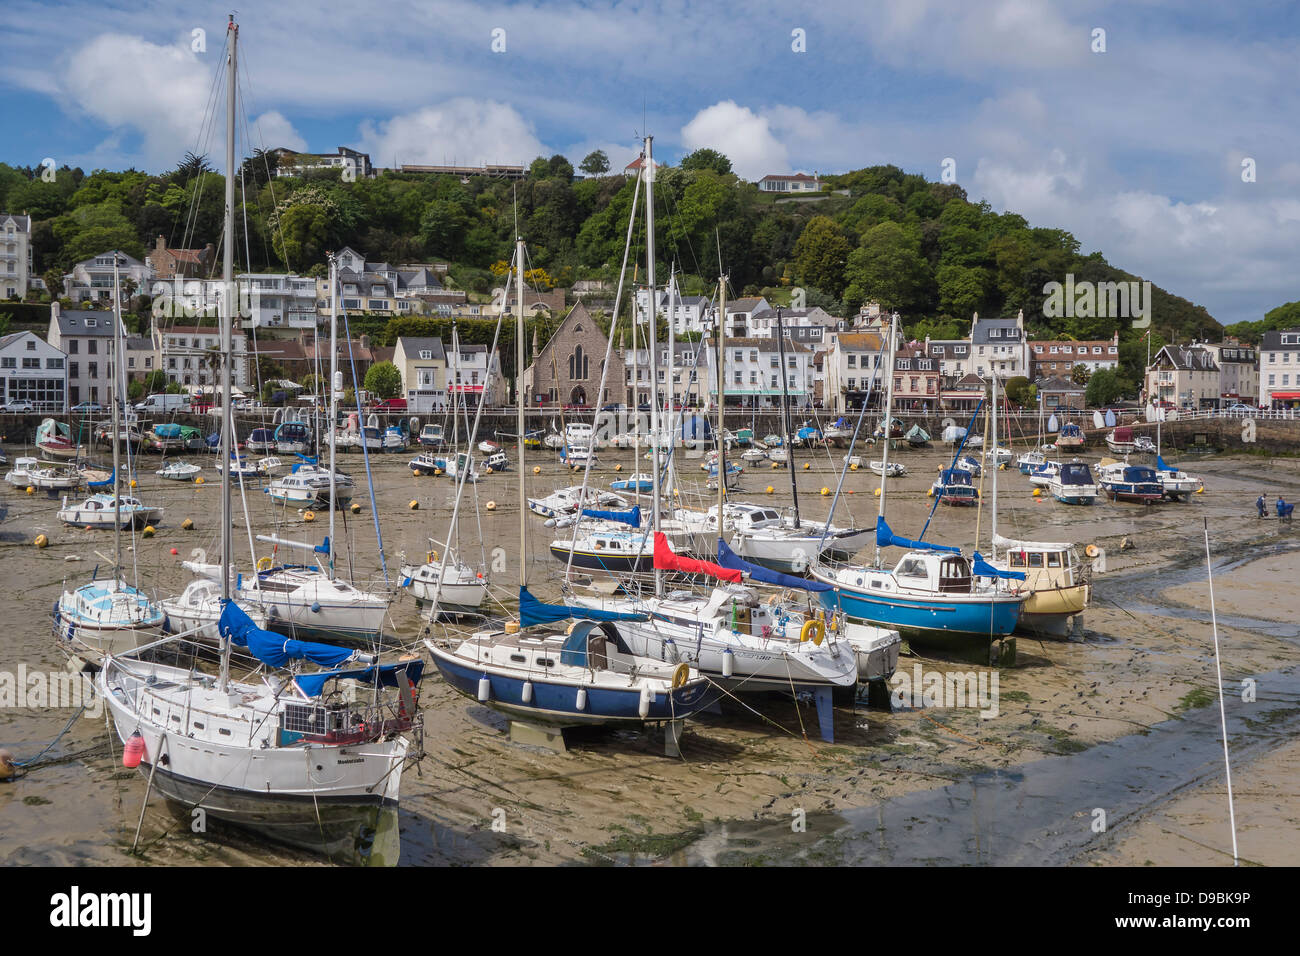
[{"x": 1037, "y": 814}]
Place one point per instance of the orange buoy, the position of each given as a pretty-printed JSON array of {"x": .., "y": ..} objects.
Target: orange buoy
[
  {"x": 175, "y": 552},
  {"x": 133, "y": 752}
]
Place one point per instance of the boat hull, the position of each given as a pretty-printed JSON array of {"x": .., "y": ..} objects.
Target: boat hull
[
  {"x": 556, "y": 703},
  {"x": 939, "y": 622},
  {"x": 607, "y": 561}
]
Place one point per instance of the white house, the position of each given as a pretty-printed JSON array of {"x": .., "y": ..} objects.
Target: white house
[
  {"x": 753, "y": 372},
  {"x": 852, "y": 370},
  {"x": 792, "y": 183},
  {"x": 91, "y": 280},
  {"x": 998, "y": 347},
  {"x": 190, "y": 354},
  {"x": 34, "y": 371},
  {"x": 690, "y": 313},
  {"x": 741, "y": 311},
  {"x": 1238, "y": 371},
  {"x": 86, "y": 338},
  {"x": 1279, "y": 366},
  {"x": 423, "y": 364},
  {"x": 15, "y": 255}
]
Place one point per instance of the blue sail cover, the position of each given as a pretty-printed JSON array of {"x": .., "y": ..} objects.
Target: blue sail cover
[
  {"x": 729, "y": 559},
  {"x": 1161, "y": 466},
  {"x": 986, "y": 570},
  {"x": 275, "y": 649},
  {"x": 632, "y": 517},
  {"x": 886, "y": 538},
  {"x": 313, "y": 684},
  {"x": 533, "y": 611}
]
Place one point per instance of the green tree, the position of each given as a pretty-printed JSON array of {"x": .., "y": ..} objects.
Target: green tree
[
  {"x": 888, "y": 268},
  {"x": 1104, "y": 387},
  {"x": 1019, "y": 390},
  {"x": 820, "y": 255},
  {"x": 596, "y": 163},
  {"x": 705, "y": 158},
  {"x": 1080, "y": 374},
  {"x": 383, "y": 379},
  {"x": 155, "y": 381},
  {"x": 962, "y": 291}
]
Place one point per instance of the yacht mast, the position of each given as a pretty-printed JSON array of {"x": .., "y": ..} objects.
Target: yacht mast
[
  {"x": 648, "y": 170},
  {"x": 519, "y": 410},
  {"x": 334, "y": 384},
  {"x": 722, "y": 402},
  {"x": 117, "y": 428},
  {"x": 993, "y": 463},
  {"x": 889, "y": 415},
  {"x": 227, "y": 319},
  {"x": 785, "y": 416}
]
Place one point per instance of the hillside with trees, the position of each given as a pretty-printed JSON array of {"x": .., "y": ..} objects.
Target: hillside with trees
[{"x": 876, "y": 234}]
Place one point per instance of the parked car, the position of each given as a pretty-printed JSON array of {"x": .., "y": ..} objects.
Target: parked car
[
  {"x": 1240, "y": 409},
  {"x": 613, "y": 407},
  {"x": 85, "y": 407},
  {"x": 163, "y": 402},
  {"x": 18, "y": 406},
  {"x": 390, "y": 405}
]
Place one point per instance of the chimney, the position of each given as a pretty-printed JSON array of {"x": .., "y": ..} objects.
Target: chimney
[{"x": 160, "y": 244}]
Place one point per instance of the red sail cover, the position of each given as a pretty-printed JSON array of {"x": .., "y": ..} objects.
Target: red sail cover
[{"x": 667, "y": 560}]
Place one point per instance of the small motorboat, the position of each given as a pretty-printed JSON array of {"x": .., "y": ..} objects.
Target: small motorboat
[
  {"x": 19, "y": 475},
  {"x": 1178, "y": 485},
  {"x": 260, "y": 440},
  {"x": 954, "y": 487},
  {"x": 896, "y": 469},
  {"x": 431, "y": 435},
  {"x": 970, "y": 464},
  {"x": 1070, "y": 438},
  {"x": 639, "y": 483},
  {"x": 101, "y": 511},
  {"x": 489, "y": 447},
  {"x": 178, "y": 471},
  {"x": 1124, "y": 482},
  {"x": 917, "y": 437},
  {"x": 1074, "y": 484},
  {"x": 1044, "y": 474},
  {"x": 428, "y": 463},
  {"x": 52, "y": 478},
  {"x": 497, "y": 461},
  {"x": 54, "y": 438},
  {"x": 1120, "y": 441}
]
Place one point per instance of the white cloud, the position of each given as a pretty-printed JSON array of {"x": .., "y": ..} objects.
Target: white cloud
[
  {"x": 272, "y": 130},
  {"x": 128, "y": 82},
  {"x": 743, "y": 136},
  {"x": 461, "y": 131}
]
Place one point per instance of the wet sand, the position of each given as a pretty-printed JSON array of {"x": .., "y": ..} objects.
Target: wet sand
[{"x": 614, "y": 797}]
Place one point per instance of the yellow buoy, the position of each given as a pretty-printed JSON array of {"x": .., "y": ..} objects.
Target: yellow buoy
[
  {"x": 877, "y": 492},
  {"x": 853, "y": 466},
  {"x": 41, "y": 541},
  {"x": 31, "y": 490},
  {"x": 537, "y": 469},
  {"x": 825, "y": 491},
  {"x": 512, "y": 627},
  {"x": 264, "y": 564},
  {"x": 414, "y": 473},
  {"x": 132, "y": 482},
  {"x": 775, "y": 466},
  {"x": 807, "y": 465},
  {"x": 930, "y": 493},
  {"x": 770, "y": 489},
  {"x": 437, "y": 471},
  {"x": 414, "y": 505},
  {"x": 187, "y": 524},
  {"x": 198, "y": 480},
  {"x": 148, "y": 531},
  {"x": 1091, "y": 551},
  {"x": 618, "y": 467},
  {"x": 309, "y": 516},
  {"x": 491, "y": 506},
  {"x": 356, "y": 508},
  {"x": 1038, "y": 492},
  {"x": 1200, "y": 490}
]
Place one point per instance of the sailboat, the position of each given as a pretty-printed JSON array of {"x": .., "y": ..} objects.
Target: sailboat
[
  {"x": 111, "y": 616},
  {"x": 1056, "y": 580},
  {"x": 273, "y": 754},
  {"x": 546, "y": 681},
  {"x": 448, "y": 584},
  {"x": 730, "y": 633},
  {"x": 54, "y": 438},
  {"x": 309, "y": 599},
  {"x": 932, "y": 593}
]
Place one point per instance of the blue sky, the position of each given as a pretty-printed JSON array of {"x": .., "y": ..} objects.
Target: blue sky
[{"x": 1136, "y": 150}]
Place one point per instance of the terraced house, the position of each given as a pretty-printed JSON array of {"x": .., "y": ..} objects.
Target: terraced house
[
  {"x": 1279, "y": 367},
  {"x": 32, "y": 370},
  {"x": 1184, "y": 376},
  {"x": 86, "y": 339},
  {"x": 1061, "y": 357}
]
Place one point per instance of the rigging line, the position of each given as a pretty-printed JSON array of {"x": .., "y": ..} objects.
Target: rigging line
[
  {"x": 365, "y": 452},
  {"x": 857, "y": 428},
  {"x": 955, "y": 457},
  {"x": 604, "y": 375}
]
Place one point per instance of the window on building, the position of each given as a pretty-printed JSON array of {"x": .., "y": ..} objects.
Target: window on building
[{"x": 92, "y": 347}]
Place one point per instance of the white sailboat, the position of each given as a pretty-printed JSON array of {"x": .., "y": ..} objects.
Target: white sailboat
[
  {"x": 106, "y": 617},
  {"x": 309, "y": 599},
  {"x": 270, "y": 754}
]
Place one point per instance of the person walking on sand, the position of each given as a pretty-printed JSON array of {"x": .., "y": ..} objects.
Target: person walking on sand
[{"x": 1261, "y": 506}]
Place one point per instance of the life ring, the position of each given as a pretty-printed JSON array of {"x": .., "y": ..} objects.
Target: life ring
[
  {"x": 1092, "y": 551},
  {"x": 264, "y": 564},
  {"x": 812, "y": 630},
  {"x": 681, "y": 675}
]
